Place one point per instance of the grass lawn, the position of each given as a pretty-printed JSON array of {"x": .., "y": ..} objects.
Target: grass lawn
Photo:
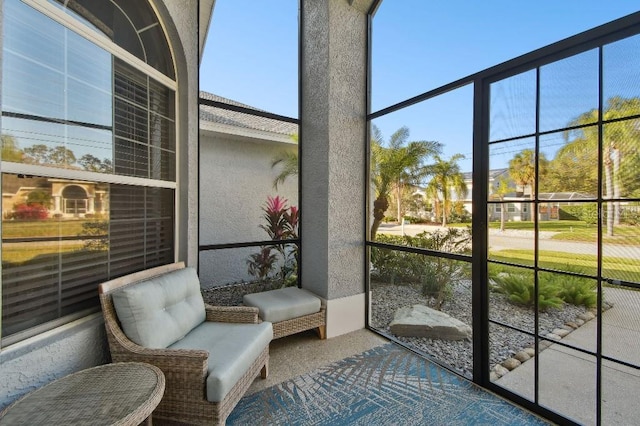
[
  {"x": 575, "y": 230},
  {"x": 19, "y": 253},
  {"x": 42, "y": 228},
  {"x": 612, "y": 267},
  {"x": 549, "y": 225}
]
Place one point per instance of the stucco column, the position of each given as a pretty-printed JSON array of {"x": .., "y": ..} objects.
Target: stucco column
[
  {"x": 56, "y": 204},
  {"x": 91, "y": 208},
  {"x": 333, "y": 158}
]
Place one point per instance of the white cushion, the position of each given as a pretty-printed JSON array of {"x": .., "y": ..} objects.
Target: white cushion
[
  {"x": 283, "y": 304},
  {"x": 232, "y": 348},
  {"x": 157, "y": 312}
]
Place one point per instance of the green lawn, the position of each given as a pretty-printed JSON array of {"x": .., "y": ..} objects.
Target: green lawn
[
  {"x": 42, "y": 228},
  {"x": 549, "y": 225},
  {"x": 574, "y": 230},
  {"x": 21, "y": 254},
  {"x": 612, "y": 267}
]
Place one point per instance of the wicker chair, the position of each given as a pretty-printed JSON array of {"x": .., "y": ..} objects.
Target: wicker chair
[{"x": 184, "y": 400}]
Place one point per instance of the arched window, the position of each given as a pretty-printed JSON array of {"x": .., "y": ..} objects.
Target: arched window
[
  {"x": 74, "y": 200},
  {"x": 88, "y": 100},
  {"x": 132, "y": 25}
]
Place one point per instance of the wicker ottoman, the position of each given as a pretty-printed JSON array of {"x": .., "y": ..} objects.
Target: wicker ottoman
[{"x": 290, "y": 310}]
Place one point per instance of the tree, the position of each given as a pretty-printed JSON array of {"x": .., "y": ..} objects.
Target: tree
[
  {"x": 39, "y": 197},
  {"x": 447, "y": 179},
  {"x": 501, "y": 190},
  {"x": 620, "y": 157},
  {"x": 522, "y": 170},
  {"x": 289, "y": 162},
  {"x": 43, "y": 155},
  {"x": 37, "y": 154},
  {"x": 10, "y": 150},
  {"x": 394, "y": 165},
  {"x": 94, "y": 164},
  {"x": 61, "y": 156}
]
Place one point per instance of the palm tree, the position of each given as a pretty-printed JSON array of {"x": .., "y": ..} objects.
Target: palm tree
[
  {"x": 502, "y": 188},
  {"x": 394, "y": 165},
  {"x": 522, "y": 169},
  {"x": 289, "y": 161},
  {"x": 447, "y": 180},
  {"x": 620, "y": 158}
]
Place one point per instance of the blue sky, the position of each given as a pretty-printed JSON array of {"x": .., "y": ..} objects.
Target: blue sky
[{"x": 251, "y": 54}]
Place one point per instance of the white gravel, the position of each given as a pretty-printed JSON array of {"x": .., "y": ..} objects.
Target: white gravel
[
  {"x": 387, "y": 298},
  {"x": 504, "y": 342}
]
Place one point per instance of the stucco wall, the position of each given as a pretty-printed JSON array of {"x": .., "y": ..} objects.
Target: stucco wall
[
  {"x": 182, "y": 29},
  {"x": 33, "y": 363},
  {"x": 333, "y": 151},
  {"x": 236, "y": 177}
]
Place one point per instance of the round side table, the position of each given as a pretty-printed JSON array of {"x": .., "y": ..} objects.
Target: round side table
[{"x": 116, "y": 394}]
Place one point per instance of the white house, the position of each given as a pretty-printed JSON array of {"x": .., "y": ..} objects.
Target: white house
[{"x": 237, "y": 151}]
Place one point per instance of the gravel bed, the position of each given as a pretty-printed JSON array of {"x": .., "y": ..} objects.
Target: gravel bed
[
  {"x": 504, "y": 342},
  {"x": 387, "y": 298}
]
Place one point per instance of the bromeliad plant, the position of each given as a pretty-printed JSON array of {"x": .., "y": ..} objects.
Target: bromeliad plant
[{"x": 281, "y": 224}]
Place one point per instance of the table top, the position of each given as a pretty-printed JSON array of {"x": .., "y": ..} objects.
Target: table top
[{"x": 120, "y": 394}]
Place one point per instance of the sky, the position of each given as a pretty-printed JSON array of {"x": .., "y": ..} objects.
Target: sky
[{"x": 251, "y": 54}]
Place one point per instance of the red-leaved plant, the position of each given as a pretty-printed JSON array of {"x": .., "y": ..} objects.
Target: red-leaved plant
[{"x": 281, "y": 224}]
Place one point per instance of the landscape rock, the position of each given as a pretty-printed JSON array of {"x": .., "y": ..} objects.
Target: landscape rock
[
  {"x": 422, "y": 321},
  {"x": 553, "y": 336},
  {"x": 560, "y": 332},
  {"x": 587, "y": 316},
  {"x": 522, "y": 356},
  {"x": 531, "y": 352},
  {"x": 510, "y": 363},
  {"x": 572, "y": 324},
  {"x": 500, "y": 370}
]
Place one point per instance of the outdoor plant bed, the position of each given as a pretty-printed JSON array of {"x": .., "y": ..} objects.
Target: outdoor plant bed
[{"x": 458, "y": 354}]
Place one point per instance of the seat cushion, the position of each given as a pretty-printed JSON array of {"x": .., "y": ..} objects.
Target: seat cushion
[
  {"x": 160, "y": 311},
  {"x": 232, "y": 348},
  {"x": 283, "y": 304}
]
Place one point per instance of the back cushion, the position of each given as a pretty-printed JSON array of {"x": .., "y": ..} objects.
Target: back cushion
[{"x": 160, "y": 311}]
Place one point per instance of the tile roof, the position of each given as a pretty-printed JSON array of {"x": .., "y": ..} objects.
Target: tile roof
[
  {"x": 239, "y": 119},
  {"x": 493, "y": 174}
]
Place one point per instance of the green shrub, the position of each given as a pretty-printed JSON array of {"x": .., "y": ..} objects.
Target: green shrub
[
  {"x": 519, "y": 289},
  {"x": 414, "y": 219},
  {"x": 587, "y": 213},
  {"x": 630, "y": 217},
  {"x": 579, "y": 291},
  {"x": 573, "y": 289},
  {"x": 434, "y": 275},
  {"x": 569, "y": 212}
]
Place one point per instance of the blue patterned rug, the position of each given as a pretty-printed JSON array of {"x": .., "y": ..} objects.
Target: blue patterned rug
[{"x": 387, "y": 385}]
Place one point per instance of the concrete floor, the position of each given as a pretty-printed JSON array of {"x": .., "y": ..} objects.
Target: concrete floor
[
  {"x": 568, "y": 377},
  {"x": 300, "y": 353}
]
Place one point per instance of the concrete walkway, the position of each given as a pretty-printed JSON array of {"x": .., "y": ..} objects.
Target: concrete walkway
[{"x": 567, "y": 381}]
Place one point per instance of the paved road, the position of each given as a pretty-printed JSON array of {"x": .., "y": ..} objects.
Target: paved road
[{"x": 523, "y": 240}]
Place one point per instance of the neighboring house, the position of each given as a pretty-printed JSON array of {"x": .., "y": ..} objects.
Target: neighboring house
[
  {"x": 467, "y": 201},
  {"x": 556, "y": 200},
  {"x": 236, "y": 153},
  {"x": 68, "y": 199},
  {"x": 518, "y": 202}
]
